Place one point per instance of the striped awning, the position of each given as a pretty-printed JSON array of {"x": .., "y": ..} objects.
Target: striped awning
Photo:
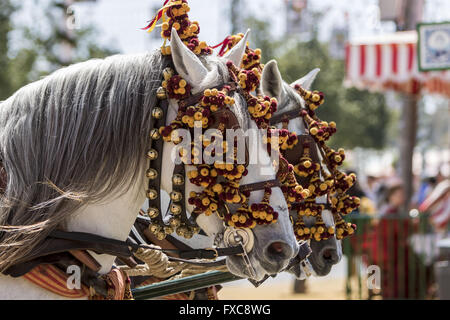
[{"x": 389, "y": 62}]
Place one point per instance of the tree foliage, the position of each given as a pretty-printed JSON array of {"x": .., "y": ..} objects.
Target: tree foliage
[
  {"x": 41, "y": 52},
  {"x": 14, "y": 71},
  {"x": 362, "y": 117},
  {"x": 50, "y": 46}
]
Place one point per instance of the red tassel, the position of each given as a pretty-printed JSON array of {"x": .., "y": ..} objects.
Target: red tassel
[{"x": 224, "y": 45}]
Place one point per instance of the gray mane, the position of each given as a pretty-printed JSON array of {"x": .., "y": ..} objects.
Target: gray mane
[
  {"x": 72, "y": 138},
  {"x": 76, "y": 137}
]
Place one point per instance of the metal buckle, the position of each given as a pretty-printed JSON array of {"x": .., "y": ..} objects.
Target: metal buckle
[{"x": 216, "y": 254}]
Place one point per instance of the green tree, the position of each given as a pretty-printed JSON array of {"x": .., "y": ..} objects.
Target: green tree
[
  {"x": 64, "y": 45},
  {"x": 14, "y": 71},
  {"x": 40, "y": 53},
  {"x": 362, "y": 117}
]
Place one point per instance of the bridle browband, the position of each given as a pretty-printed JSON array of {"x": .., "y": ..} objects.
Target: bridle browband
[{"x": 285, "y": 116}]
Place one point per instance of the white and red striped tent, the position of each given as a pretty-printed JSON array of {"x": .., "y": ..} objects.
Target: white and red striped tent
[{"x": 389, "y": 62}]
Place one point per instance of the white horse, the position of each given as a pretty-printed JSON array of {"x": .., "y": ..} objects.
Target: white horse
[
  {"x": 325, "y": 253},
  {"x": 73, "y": 145}
]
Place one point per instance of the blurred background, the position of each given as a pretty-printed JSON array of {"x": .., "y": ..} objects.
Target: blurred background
[{"x": 386, "y": 85}]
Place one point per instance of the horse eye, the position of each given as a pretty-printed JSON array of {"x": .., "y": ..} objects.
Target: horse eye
[{"x": 282, "y": 208}]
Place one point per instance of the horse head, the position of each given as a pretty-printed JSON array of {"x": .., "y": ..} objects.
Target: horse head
[
  {"x": 325, "y": 253},
  {"x": 273, "y": 245}
]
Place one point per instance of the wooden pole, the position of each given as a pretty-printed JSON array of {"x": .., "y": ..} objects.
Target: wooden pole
[
  {"x": 408, "y": 134},
  {"x": 412, "y": 12}
]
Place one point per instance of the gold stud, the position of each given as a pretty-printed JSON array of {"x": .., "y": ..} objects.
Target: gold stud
[
  {"x": 168, "y": 230},
  {"x": 154, "y": 228},
  {"x": 157, "y": 113},
  {"x": 176, "y": 196},
  {"x": 160, "y": 235},
  {"x": 154, "y": 134},
  {"x": 152, "y": 212},
  {"x": 195, "y": 229},
  {"x": 152, "y": 194},
  {"x": 151, "y": 174},
  {"x": 181, "y": 231},
  {"x": 174, "y": 222},
  {"x": 178, "y": 179},
  {"x": 152, "y": 154},
  {"x": 161, "y": 93},
  {"x": 175, "y": 208}
]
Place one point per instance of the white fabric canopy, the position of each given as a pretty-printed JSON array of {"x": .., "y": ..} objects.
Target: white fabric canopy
[{"x": 389, "y": 62}]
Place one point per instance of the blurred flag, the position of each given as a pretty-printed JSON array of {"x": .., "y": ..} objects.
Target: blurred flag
[{"x": 438, "y": 205}]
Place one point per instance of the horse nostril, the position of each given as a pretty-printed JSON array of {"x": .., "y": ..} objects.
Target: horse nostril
[
  {"x": 278, "y": 251},
  {"x": 330, "y": 256},
  {"x": 275, "y": 248},
  {"x": 327, "y": 254}
]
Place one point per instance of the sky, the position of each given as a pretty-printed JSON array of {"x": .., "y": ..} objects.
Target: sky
[{"x": 119, "y": 22}]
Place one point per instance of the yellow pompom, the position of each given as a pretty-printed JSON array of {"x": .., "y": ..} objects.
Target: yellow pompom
[
  {"x": 217, "y": 188},
  {"x": 314, "y": 131},
  {"x": 242, "y": 219},
  {"x": 198, "y": 116}
]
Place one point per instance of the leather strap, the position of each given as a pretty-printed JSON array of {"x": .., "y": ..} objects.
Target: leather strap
[
  {"x": 286, "y": 116},
  {"x": 207, "y": 253},
  {"x": 196, "y": 97},
  {"x": 260, "y": 185},
  {"x": 87, "y": 259}
]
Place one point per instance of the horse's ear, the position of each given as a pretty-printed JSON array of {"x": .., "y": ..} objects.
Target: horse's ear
[
  {"x": 307, "y": 80},
  {"x": 237, "y": 52},
  {"x": 187, "y": 64},
  {"x": 271, "y": 81}
]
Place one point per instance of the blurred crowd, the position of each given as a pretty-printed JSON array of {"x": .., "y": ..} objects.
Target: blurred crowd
[
  {"x": 385, "y": 195},
  {"x": 397, "y": 239}
]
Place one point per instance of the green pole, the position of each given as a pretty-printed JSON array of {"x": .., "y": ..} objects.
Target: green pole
[{"x": 190, "y": 283}]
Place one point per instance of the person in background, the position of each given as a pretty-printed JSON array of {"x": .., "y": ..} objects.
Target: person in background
[
  {"x": 425, "y": 188},
  {"x": 395, "y": 200},
  {"x": 388, "y": 245}
]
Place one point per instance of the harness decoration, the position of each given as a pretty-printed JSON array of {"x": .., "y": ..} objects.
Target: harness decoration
[{"x": 316, "y": 182}]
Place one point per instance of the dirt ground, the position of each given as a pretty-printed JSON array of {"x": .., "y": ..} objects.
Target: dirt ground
[{"x": 283, "y": 289}]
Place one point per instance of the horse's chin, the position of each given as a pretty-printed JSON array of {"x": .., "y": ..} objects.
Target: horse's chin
[
  {"x": 321, "y": 268},
  {"x": 236, "y": 266}
]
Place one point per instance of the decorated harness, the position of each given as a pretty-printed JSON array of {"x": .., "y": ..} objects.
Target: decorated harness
[{"x": 301, "y": 175}]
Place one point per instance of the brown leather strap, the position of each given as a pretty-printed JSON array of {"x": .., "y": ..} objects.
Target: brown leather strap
[
  {"x": 206, "y": 253},
  {"x": 293, "y": 155},
  {"x": 286, "y": 116},
  {"x": 87, "y": 259},
  {"x": 196, "y": 98},
  {"x": 260, "y": 185}
]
